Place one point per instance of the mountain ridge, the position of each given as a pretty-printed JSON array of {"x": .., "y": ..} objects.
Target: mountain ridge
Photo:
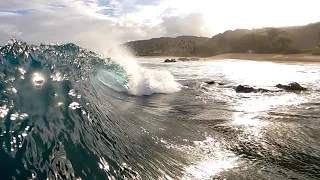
[{"x": 298, "y": 38}]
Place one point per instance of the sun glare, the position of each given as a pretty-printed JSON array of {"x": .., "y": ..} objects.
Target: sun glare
[{"x": 230, "y": 14}]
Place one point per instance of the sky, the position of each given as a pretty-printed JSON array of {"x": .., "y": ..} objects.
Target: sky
[{"x": 105, "y": 21}]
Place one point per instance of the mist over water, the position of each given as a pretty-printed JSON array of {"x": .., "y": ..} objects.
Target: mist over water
[{"x": 69, "y": 113}]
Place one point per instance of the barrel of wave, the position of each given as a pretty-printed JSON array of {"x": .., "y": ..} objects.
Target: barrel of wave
[{"x": 136, "y": 80}]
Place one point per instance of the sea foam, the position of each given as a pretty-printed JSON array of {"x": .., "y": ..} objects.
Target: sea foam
[{"x": 142, "y": 81}]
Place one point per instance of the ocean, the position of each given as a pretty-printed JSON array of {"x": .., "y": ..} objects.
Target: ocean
[{"x": 69, "y": 113}]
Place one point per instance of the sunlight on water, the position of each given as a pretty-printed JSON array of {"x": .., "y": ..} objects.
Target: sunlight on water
[
  {"x": 250, "y": 124},
  {"x": 259, "y": 74},
  {"x": 3, "y": 111},
  {"x": 57, "y": 77},
  {"x": 213, "y": 160},
  {"x": 248, "y": 109},
  {"x": 247, "y": 118},
  {"x": 262, "y": 103},
  {"x": 103, "y": 164},
  {"x": 37, "y": 80},
  {"x": 208, "y": 158},
  {"x": 268, "y": 73}
]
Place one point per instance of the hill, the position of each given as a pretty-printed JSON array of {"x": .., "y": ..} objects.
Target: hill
[
  {"x": 285, "y": 40},
  {"x": 166, "y": 45},
  {"x": 303, "y": 36}
]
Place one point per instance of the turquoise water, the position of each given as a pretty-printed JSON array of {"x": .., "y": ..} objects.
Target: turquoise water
[{"x": 113, "y": 76}]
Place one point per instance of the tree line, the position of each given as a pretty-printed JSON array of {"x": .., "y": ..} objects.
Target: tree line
[
  {"x": 270, "y": 40},
  {"x": 316, "y": 50},
  {"x": 261, "y": 41}
]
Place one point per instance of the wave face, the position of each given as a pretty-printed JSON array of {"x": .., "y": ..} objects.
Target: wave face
[
  {"x": 130, "y": 78},
  {"x": 60, "y": 117}
]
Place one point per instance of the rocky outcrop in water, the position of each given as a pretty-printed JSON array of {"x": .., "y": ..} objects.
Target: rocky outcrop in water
[
  {"x": 292, "y": 87},
  {"x": 211, "y": 82},
  {"x": 169, "y": 60},
  {"x": 244, "y": 89},
  {"x": 249, "y": 89}
]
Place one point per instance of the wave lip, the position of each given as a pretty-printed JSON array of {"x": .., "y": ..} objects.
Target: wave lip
[{"x": 135, "y": 80}]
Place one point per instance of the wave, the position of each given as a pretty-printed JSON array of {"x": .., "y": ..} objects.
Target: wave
[
  {"x": 112, "y": 80},
  {"x": 127, "y": 76},
  {"x": 57, "y": 103},
  {"x": 140, "y": 82}
]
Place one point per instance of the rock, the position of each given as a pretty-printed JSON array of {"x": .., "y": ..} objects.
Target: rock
[
  {"x": 210, "y": 82},
  {"x": 292, "y": 87},
  {"x": 263, "y": 90},
  {"x": 169, "y": 60},
  {"x": 249, "y": 89},
  {"x": 244, "y": 89}
]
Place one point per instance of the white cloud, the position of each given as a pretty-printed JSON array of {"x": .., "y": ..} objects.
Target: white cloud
[
  {"x": 191, "y": 24},
  {"x": 104, "y": 22}
]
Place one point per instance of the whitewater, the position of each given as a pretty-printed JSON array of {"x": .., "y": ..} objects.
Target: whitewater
[{"x": 67, "y": 112}]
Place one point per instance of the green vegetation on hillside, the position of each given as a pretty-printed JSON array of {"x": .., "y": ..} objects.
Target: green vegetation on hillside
[
  {"x": 287, "y": 40},
  {"x": 269, "y": 40},
  {"x": 180, "y": 46},
  {"x": 316, "y": 50}
]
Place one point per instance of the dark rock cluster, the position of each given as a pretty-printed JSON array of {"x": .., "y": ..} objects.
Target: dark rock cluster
[
  {"x": 290, "y": 87},
  {"x": 169, "y": 60}
]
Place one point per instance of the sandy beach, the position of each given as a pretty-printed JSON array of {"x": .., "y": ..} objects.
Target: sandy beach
[
  {"x": 291, "y": 58},
  {"x": 300, "y": 58}
]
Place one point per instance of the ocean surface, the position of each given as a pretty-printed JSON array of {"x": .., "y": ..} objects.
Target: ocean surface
[{"x": 69, "y": 113}]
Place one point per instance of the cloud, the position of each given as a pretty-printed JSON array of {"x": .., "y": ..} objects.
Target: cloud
[
  {"x": 191, "y": 24},
  {"x": 80, "y": 22},
  {"x": 68, "y": 21},
  {"x": 107, "y": 22}
]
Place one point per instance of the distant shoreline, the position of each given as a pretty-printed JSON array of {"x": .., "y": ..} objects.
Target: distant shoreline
[{"x": 291, "y": 58}]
